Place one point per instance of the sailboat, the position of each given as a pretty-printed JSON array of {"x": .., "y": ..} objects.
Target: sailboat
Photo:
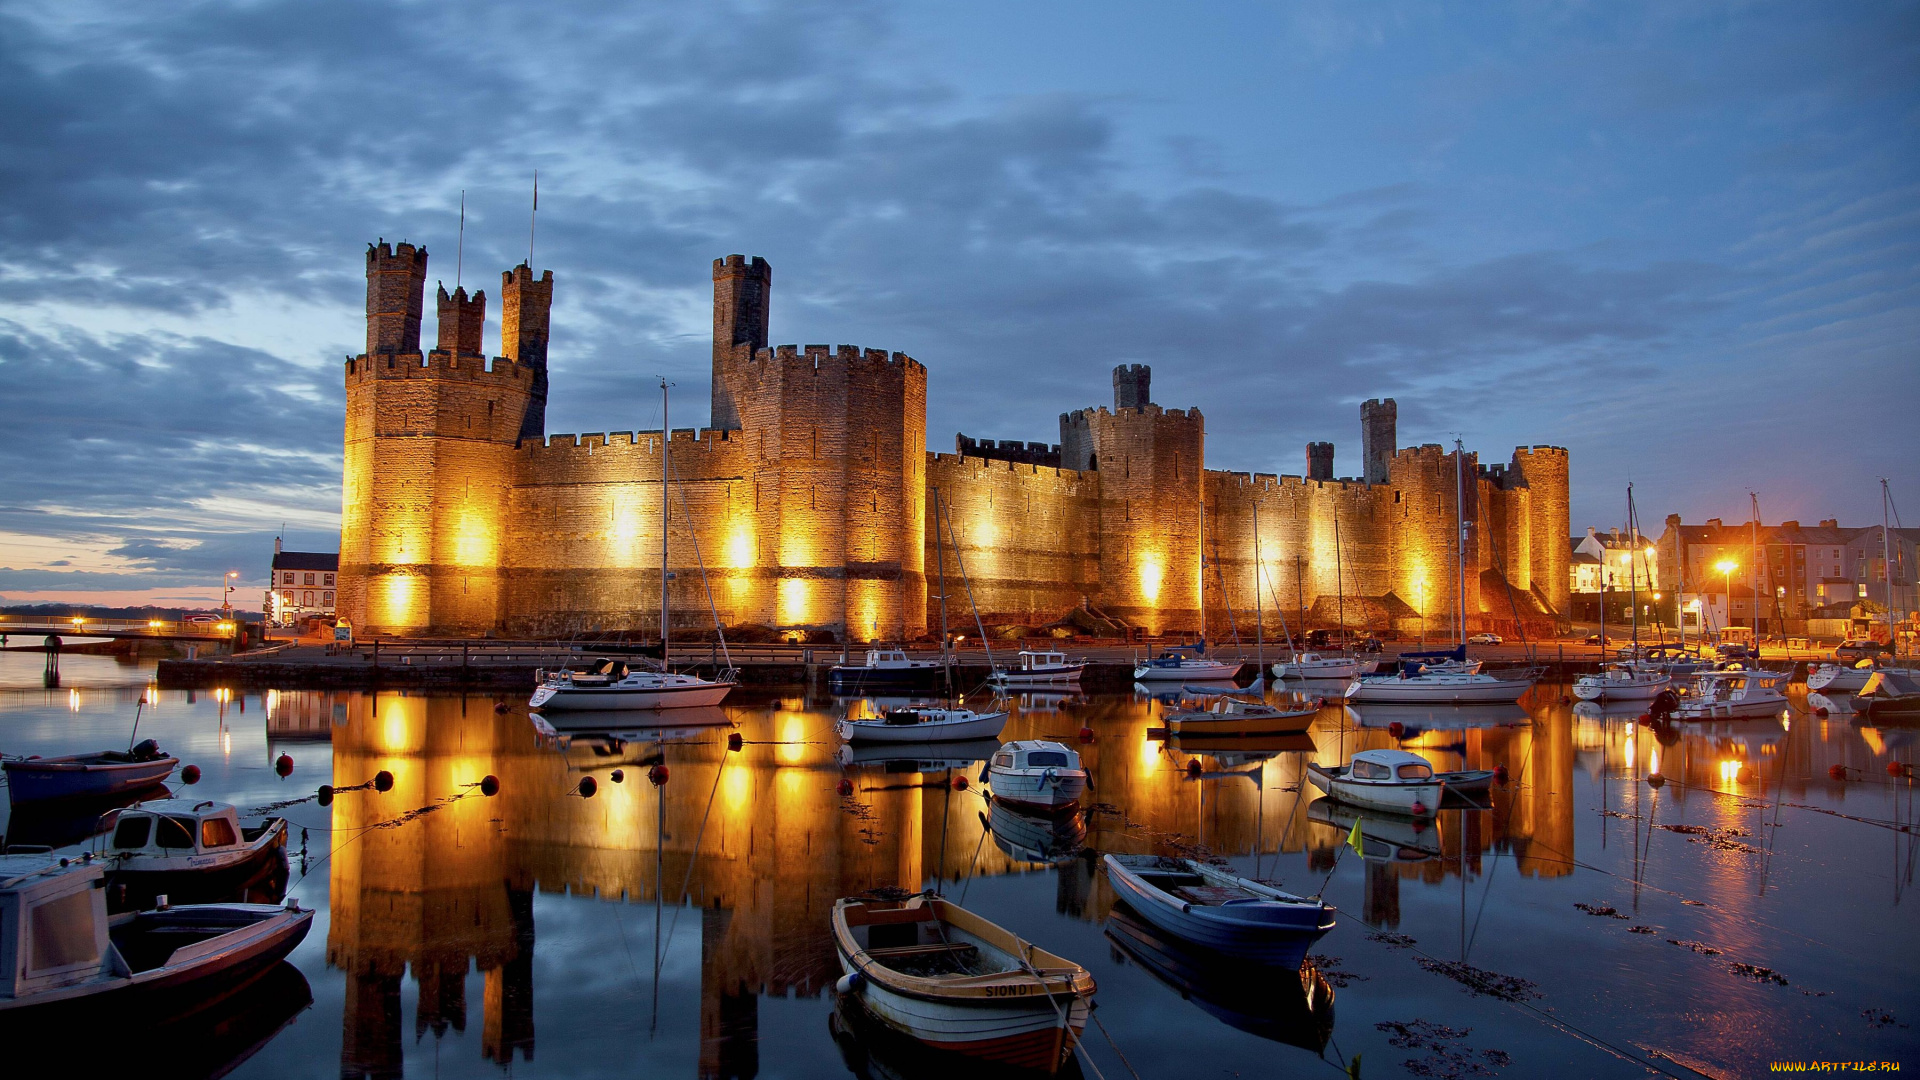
[
  {"x": 611, "y": 684},
  {"x": 1417, "y": 683},
  {"x": 1635, "y": 680},
  {"x": 1314, "y": 665},
  {"x": 1189, "y": 663}
]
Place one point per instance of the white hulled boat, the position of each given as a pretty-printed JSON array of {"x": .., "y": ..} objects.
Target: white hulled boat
[
  {"x": 1322, "y": 666},
  {"x": 611, "y": 685},
  {"x": 1173, "y": 665},
  {"x": 1749, "y": 692},
  {"x": 1036, "y": 772},
  {"x": 1621, "y": 682},
  {"x": 1041, "y": 669},
  {"x": 1391, "y": 780},
  {"x": 1421, "y": 685},
  {"x": 921, "y": 725},
  {"x": 1231, "y": 714}
]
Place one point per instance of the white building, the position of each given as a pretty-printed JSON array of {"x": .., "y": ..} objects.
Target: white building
[{"x": 303, "y": 585}]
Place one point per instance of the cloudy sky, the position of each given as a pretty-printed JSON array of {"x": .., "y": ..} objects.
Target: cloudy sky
[{"x": 1677, "y": 238}]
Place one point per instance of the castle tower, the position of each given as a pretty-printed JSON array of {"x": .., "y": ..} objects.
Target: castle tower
[
  {"x": 396, "y": 282},
  {"x": 463, "y": 321},
  {"x": 427, "y": 463},
  {"x": 1319, "y": 461},
  {"x": 742, "y": 305},
  {"x": 1378, "y": 420},
  {"x": 1544, "y": 468},
  {"x": 526, "y": 306},
  {"x": 1131, "y": 384}
]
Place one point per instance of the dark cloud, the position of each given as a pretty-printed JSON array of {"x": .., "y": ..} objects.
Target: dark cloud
[{"x": 220, "y": 165}]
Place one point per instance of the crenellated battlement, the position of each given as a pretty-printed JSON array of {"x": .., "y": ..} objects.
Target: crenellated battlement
[
  {"x": 817, "y": 357},
  {"x": 437, "y": 365}
]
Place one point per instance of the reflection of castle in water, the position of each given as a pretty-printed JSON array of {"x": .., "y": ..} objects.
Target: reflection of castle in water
[{"x": 453, "y": 890}]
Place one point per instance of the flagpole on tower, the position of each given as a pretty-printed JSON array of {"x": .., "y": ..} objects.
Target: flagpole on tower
[
  {"x": 460, "y": 250},
  {"x": 533, "y": 217}
]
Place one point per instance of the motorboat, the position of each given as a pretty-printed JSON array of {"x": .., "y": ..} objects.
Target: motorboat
[
  {"x": 1621, "y": 682},
  {"x": 1414, "y": 718},
  {"x": 1184, "y": 663},
  {"x": 1892, "y": 693},
  {"x": 1391, "y": 780},
  {"x": 613, "y": 685},
  {"x": 58, "y": 823},
  {"x": 940, "y": 974},
  {"x": 1451, "y": 661},
  {"x": 1291, "y": 1005},
  {"x": 923, "y": 757},
  {"x": 1384, "y": 838},
  {"x": 1738, "y": 692},
  {"x": 1208, "y": 906},
  {"x": 1840, "y": 678},
  {"x": 71, "y": 963},
  {"x": 924, "y": 724},
  {"x": 1421, "y": 685},
  {"x": 193, "y": 852},
  {"x": 1238, "y": 715},
  {"x": 1036, "y": 838},
  {"x": 1036, "y": 772},
  {"x": 1040, "y": 669},
  {"x": 1311, "y": 665},
  {"x": 102, "y": 773},
  {"x": 885, "y": 668}
]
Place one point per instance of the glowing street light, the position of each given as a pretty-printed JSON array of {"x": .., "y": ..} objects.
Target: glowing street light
[{"x": 1726, "y": 568}]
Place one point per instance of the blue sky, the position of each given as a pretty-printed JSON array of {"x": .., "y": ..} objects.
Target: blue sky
[{"x": 1677, "y": 238}]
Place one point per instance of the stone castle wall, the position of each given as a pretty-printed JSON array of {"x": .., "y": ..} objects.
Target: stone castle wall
[{"x": 808, "y": 501}]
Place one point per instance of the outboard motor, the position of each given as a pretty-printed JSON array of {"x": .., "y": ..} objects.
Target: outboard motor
[
  {"x": 1663, "y": 704},
  {"x": 147, "y": 750}
]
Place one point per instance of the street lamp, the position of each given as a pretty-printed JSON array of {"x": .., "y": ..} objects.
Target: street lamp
[
  {"x": 1726, "y": 568},
  {"x": 226, "y": 606}
]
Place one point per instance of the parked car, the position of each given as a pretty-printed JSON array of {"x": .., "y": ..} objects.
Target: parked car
[
  {"x": 1737, "y": 650},
  {"x": 1855, "y": 650},
  {"x": 1486, "y": 639},
  {"x": 1597, "y": 639}
]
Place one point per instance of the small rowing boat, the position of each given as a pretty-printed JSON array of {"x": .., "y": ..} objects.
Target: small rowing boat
[
  {"x": 940, "y": 974},
  {"x": 1237, "y": 715},
  {"x": 1207, "y": 906},
  {"x": 107, "y": 772}
]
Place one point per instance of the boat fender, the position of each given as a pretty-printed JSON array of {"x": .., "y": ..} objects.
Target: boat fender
[
  {"x": 1419, "y": 809},
  {"x": 587, "y": 787},
  {"x": 489, "y": 785},
  {"x": 1397, "y": 729},
  {"x": 618, "y": 776},
  {"x": 190, "y": 774},
  {"x": 844, "y": 787},
  {"x": 849, "y": 983},
  {"x": 383, "y": 781},
  {"x": 657, "y": 776},
  {"x": 324, "y": 796},
  {"x": 1837, "y": 772},
  {"x": 283, "y": 765}
]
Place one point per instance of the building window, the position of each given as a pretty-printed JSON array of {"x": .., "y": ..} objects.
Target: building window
[
  {"x": 309, "y": 580},
  {"x": 287, "y": 578},
  {"x": 327, "y": 600},
  {"x": 306, "y": 598},
  {"x": 286, "y": 598},
  {"x": 329, "y": 580}
]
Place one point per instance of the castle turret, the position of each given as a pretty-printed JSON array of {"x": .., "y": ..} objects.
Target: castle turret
[
  {"x": 1544, "y": 468},
  {"x": 526, "y": 306},
  {"x": 1319, "y": 461},
  {"x": 427, "y": 461},
  {"x": 1377, "y": 437},
  {"x": 396, "y": 290},
  {"x": 1131, "y": 384},
  {"x": 463, "y": 321},
  {"x": 742, "y": 305}
]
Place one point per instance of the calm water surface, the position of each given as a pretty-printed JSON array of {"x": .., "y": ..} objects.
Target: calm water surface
[{"x": 1759, "y": 910}]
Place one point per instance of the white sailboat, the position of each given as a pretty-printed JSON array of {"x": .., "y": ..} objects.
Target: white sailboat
[
  {"x": 615, "y": 685},
  {"x": 1634, "y": 681}
]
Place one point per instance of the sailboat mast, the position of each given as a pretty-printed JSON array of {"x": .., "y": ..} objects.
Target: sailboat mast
[
  {"x": 1460, "y": 543},
  {"x": 666, "y": 437},
  {"x": 1203, "y": 570},
  {"x": 940, "y": 553},
  {"x": 1339, "y": 579},
  {"x": 1886, "y": 561},
  {"x": 1754, "y": 534},
  {"x": 1633, "y": 577},
  {"x": 1259, "y": 565}
]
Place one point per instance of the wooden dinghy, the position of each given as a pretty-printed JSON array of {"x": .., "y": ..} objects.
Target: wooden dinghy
[
  {"x": 950, "y": 979},
  {"x": 1208, "y": 906}
]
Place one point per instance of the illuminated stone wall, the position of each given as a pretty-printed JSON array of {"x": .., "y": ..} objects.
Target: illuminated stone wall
[{"x": 1027, "y": 537}]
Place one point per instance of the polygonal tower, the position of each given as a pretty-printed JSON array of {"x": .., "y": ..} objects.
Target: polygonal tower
[
  {"x": 427, "y": 460},
  {"x": 742, "y": 305}
]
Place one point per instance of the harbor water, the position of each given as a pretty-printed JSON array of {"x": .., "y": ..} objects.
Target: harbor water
[{"x": 1697, "y": 899}]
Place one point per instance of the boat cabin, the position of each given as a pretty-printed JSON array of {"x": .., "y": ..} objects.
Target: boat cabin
[
  {"x": 1035, "y": 755},
  {"x": 603, "y": 672},
  {"x": 177, "y": 827},
  {"x": 53, "y": 923},
  {"x": 1389, "y": 765},
  {"x": 1031, "y": 660}
]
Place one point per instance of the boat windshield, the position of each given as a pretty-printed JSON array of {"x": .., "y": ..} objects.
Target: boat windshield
[
  {"x": 132, "y": 831},
  {"x": 1367, "y": 770},
  {"x": 1044, "y": 758},
  {"x": 1416, "y": 772},
  {"x": 217, "y": 832},
  {"x": 174, "y": 832}
]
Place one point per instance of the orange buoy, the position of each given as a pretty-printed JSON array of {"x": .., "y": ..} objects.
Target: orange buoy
[
  {"x": 1645, "y": 718},
  {"x": 1397, "y": 729},
  {"x": 657, "y": 776},
  {"x": 845, "y": 787},
  {"x": 618, "y": 776},
  {"x": 1654, "y": 780},
  {"x": 960, "y": 783},
  {"x": 1499, "y": 774},
  {"x": 325, "y": 795},
  {"x": 283, "y": 765},
  {"x": 1821, "y": 712},
  {"x": 1193, "y": 766},
  {"x": 735, "y": 742},
  {"x": 1894, "y": 768},
  {"x": 587, "y": 787},
  {"x": 383, "y": 781},
  {"x": 489, "y": 785},
  {"x": 1086, "y": 734},
  {"x": 190, "y": 774},
  {"x": 1744, "y": 776},
  {"x": 499, "y": 706},
  {"x": 1837, "y": 772},
  {"x": 1419, "y": 809}
]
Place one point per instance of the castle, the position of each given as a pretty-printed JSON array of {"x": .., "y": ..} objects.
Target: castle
[{"x": 815, "y": 506}]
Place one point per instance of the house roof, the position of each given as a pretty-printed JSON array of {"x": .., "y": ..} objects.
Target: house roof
[{"x": 306, "y": 560}]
